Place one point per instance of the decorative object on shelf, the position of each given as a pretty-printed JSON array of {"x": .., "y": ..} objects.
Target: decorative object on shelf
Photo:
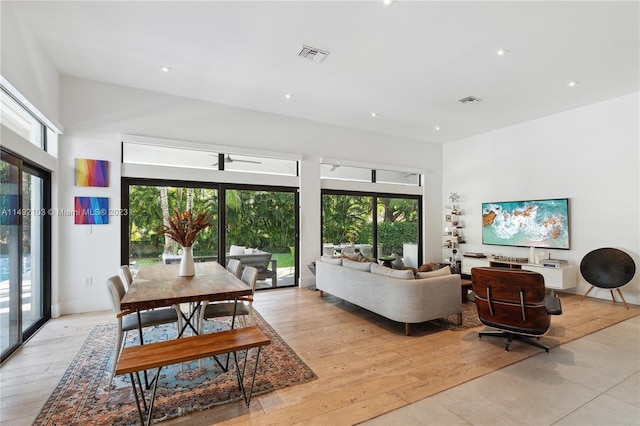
[
  {"x": 454, "y": 197},
  {"x": 183, "y": 228}
]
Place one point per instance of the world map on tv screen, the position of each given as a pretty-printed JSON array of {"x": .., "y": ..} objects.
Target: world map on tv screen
[{"x": 538, "y": 223}]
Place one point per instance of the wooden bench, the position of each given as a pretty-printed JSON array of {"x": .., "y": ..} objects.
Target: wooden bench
[{"x": 134, "y": 359}]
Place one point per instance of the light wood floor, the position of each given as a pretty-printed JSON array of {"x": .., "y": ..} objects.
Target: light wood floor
[{"x": 365, "y": 364}]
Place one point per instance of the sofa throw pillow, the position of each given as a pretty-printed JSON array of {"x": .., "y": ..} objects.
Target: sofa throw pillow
[
  {"x": 393, "y": 273},
  {"x": 427, "y": 267},
  {"x": 332, "y": 260},
  {"x": 353, "y": 256},
  {"x": 236, "y": 250},
  {"x": 437, "y": 273},
  {"x": 361, "y": 266}
]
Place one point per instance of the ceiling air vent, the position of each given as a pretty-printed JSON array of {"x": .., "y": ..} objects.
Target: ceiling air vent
[
  {"x": 312, "y": 53},
  {"x": 470, "y": 100}
]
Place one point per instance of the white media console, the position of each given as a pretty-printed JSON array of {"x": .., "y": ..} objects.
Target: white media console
[{"x": 556, "y": 278}]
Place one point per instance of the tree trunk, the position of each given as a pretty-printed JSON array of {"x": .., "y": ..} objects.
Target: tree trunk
[
  {"x": 164, "y": 202},
  {"x": 190, "y": 192}
]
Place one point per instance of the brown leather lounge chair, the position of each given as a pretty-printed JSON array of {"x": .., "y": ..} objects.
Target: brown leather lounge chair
[{"x": 515, "y": 302}]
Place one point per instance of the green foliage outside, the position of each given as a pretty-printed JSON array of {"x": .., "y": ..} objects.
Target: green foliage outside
[
  {"x": 266, "y": 220},
  {"x": 256, "y": 219},
  {"x": 347, "y": 219}
]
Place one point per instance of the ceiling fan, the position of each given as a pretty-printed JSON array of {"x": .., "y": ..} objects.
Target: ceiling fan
[{"x": 229, "y": 160}]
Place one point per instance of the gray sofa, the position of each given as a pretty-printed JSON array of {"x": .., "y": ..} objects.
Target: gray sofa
[{"x": 381, "y": 290}]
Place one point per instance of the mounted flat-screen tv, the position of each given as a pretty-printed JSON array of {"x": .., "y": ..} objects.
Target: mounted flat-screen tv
[{"x": 534, "y": 223}]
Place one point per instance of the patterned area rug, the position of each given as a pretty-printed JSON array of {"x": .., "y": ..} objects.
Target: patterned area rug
[
  {"x": 469, "y": 319},
  {"x": 82, "y": 397}
]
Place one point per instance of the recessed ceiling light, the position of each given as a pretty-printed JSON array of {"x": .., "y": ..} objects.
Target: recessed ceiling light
[
  {"x": 165, "y": 69},
  {"x": 374, "y": 114},
  {"x": 501, "y": 52},
  {"x": 388, "y": 3},
  {"x": 437, "y": 127},
  {"x": 573, "y": 83},
  {"x": 288, "y": 96}
]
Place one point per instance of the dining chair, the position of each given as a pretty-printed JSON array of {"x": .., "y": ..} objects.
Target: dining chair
[
  {"x": 225, "y": 309},
  {"x": 348, "y": 250},
  {"x": 128, "y": 320},
  {"x": 125, "y": 275},
  {"x": 234, "y": 266}
]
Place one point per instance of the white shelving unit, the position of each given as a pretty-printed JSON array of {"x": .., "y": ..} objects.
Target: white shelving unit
[
  {"x": 453, "y": 231},
  {"x": 556, "y": 278}
]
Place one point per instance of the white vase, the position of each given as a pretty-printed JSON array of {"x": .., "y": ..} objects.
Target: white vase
[{"x": 187, "y": 266}]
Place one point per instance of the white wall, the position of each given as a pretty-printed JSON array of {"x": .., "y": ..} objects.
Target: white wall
[
  {"x": 95, "y": 116},
  {"x": 26, "y": 67},
  {"x": 590, "y": 155}
]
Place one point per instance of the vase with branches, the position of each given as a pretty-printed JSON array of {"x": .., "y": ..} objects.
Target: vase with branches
[{"x": 183, "y": 228}]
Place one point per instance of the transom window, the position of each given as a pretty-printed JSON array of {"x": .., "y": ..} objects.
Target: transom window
[
  {"x": 331, "y": 169},
  {"x": 186, "y": 157}
]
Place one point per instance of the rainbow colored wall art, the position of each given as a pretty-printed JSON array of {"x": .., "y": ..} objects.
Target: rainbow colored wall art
[
  {"x": 91, "y": 172},
  {"x": 91, "y": 210}
]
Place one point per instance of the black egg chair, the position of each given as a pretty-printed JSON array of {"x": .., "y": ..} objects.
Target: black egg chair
[{"x": 607, "y": 268}]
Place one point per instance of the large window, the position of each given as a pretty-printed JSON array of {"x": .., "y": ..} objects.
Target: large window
[
  {"x": 374, "y": 224},
  {"x": 151, "y": 205},
  {"x": 261, "y": 220}
]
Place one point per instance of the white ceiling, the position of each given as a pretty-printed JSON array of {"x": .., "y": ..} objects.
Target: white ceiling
[{"x": 410, "y": 63}]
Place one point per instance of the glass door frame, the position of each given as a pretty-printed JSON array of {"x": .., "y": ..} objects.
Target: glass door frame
[
  {"x": 374, "y": 203},
  {"x": 45, "y": 241},
  {"x": 221, "y": 188}
]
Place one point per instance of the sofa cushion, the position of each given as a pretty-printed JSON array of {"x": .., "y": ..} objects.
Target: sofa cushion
[
  {"x": 361, "y": 266},
  {"x": 437, "y": 273},
  {"x": 333, "y": 260},
  {"x": 393, "y": 273},
  {"x": 236, "y": 250},
  {"x": 356, "y": 257},
  {"x": 427, "y": 267}
]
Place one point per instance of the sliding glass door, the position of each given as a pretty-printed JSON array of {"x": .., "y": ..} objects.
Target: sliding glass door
[
  {"x": 260, "y": 222},
  {"x": 350, "y": 223},
  {"x": 25, "y": 289}
]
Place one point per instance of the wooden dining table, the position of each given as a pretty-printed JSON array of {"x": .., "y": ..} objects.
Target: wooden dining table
[{"x": 159, "y": 285}]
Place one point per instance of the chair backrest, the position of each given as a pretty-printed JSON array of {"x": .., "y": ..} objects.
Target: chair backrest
[
  {"x": 250, "y": 276},
  {"x": 367, "y": 250},
  {"x": 348, "y": 250},
  {"x": 511, "y": 299},
  {"x": 116, "y": 291},
  {"x": 125, "y": 275},
  {"x": 328, "y": 250},
  {"x": 234, "y": 266}
]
